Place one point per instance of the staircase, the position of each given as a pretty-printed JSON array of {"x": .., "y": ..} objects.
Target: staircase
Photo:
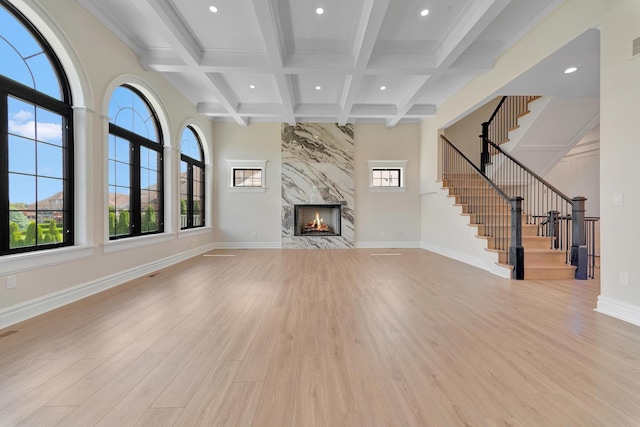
[
  {"x": 489, "y": 216},
  {"x": 539, "y": 131},
  {"x": 531, "y": 226}
]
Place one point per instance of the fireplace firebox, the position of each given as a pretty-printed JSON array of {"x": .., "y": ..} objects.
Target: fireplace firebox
[{"x": 317, "y": 220}]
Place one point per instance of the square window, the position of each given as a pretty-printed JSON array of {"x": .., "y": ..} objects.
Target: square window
[
  {"x": 387, "y": 175},
  {"x": 247, "y": 175}
]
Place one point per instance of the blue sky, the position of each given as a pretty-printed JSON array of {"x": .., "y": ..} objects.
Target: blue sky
[{"x": 35, "y": 134}]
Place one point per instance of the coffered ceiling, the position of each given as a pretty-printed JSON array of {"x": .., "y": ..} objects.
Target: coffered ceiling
[{"x": 279, "y": 60}]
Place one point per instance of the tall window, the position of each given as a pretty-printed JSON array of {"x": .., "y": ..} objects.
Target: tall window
[
  {"x": 36, "y": 147},
  {"x": 135, "y": 166},
  {"x": 191, "y": 180}
]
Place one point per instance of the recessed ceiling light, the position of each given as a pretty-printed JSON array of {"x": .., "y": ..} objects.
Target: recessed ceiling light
[
  {"x": 252, "y": 86},
  {"x": 318, "y": 87},
  {"x": 570, "y": 70},
  {"x": 319, "y": 11},
  {"x": 424, "y": 12},
  {"x": 383, "y": 88},
  {"x": 213, "y": 9}
]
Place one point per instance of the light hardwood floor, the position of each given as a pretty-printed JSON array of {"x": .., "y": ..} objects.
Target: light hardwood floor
[{"x": 324, "y": 338}]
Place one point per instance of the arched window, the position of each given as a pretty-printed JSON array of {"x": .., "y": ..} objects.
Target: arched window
[
  {"x": 135, "y": 166},
  {"x": 191, "y": 180},
  {"x": 36, "y": 146}
]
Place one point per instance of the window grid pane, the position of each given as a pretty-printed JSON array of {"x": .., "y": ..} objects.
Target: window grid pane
[
  {"x": 385, "y": 177},
  {"x": 247, "y": 177},
  {"x": 24, "y": 59}
]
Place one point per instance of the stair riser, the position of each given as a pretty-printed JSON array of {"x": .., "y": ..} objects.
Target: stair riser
[
  {"x": 504, "y": 217},
  {"x": 475, "y": 200},
  {"x": 479, "y": 209},
  {"x": 528, "y": 242},
  {"x": 533, "y": 259},
  {"x": 536, "y": 242},
  {"x": 504, "y": 230},
  {"x": 560, "y": 274}
]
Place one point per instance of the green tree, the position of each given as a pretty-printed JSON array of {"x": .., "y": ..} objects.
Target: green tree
[
  {"x": 52, "y": 235},
  {"x": 196, "y": 207},
  {"x": 33, "y": 234},
  {"x": 149, "y": 220},
  {"x": 112, "y": 223},
  {"x": 183, "y": 207},
  {"x": 19, "y": 218},
  {"x": 15, "y": 236},
  {"x": 123, "y": 223}
]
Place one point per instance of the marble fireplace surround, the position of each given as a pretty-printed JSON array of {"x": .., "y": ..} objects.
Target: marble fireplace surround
[{"x": 318, "y": 169}]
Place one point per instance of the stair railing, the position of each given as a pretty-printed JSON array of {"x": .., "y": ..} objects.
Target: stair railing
[
  {"x": 504, "y": 118},
  {"x": 593, "y": 243},
  {"x": 497, "y": 215},
  {"x": 556, "y": 215}
]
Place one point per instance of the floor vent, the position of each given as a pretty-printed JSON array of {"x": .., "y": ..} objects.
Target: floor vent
[
  {"x": 153, "y": 275},
  {"x": 8, "y": 333}
]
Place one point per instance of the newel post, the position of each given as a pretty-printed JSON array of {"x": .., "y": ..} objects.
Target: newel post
[
  {"x": 579, "y": 256},
  {"x": 516, "y": 251},
  {"x": 484, "y": 156}
]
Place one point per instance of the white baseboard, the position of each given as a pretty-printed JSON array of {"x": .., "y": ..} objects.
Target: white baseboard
[
  {"x": 247, "y": 245},
  {"x": 387, "y": 245},
  {"x": 489, "y": 266},
  {"x": 618, "y": 309},
  {"x": 35, "y": 307}
]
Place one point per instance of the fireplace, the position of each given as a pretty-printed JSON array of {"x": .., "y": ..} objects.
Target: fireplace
[{"x": 317, "y": 220}]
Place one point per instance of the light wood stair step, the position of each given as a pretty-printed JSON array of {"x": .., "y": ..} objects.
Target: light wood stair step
[
  {"x": 504, "y": 230},
  {"x": 528, "y": 242},
  {"x": 536, "y": 257},
  {"x": 550, "y": 272},
  {"x": 553, "y": 272}
]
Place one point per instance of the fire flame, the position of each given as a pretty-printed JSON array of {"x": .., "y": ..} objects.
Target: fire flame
[{"x": 317, "y": 224}]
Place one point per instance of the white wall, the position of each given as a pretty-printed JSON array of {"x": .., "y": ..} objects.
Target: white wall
[
  {"x": 49, "y": 279},
  {"x": 385, "y": 219},
  {"x": 578, "y": 173},
  {"x": 619, "y": 154},
  {"x": 238, "y": 215},
  {"x": 465, "y": 133},
  {"x": 247, "y": 219}
]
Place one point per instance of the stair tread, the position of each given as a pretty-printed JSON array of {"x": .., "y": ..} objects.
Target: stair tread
[
  {"x": 527, "y": 250},
  {"x": 552, "y": 266}
]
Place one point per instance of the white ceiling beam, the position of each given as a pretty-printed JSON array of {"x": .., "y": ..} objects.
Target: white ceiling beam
[
  {"x": 166, "y": 19},
  {"x": 211, "y": 109},
  {"x": 276, "y": 50},
  {"x": 226, "y": 97},
  {"x": 169, "y": 61},
  {"x": 320, "y": 110},
  {"x": 369, "y": 26},
  {"x": 473, "y": 21}
]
